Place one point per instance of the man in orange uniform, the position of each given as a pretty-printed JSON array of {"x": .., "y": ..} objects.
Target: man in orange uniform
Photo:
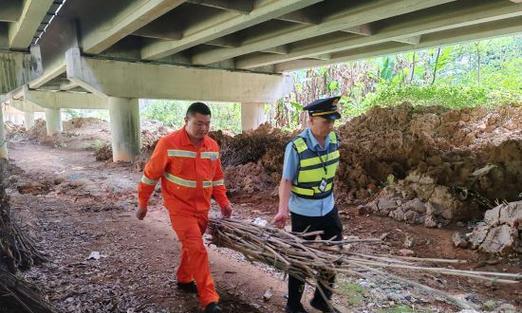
[{"x": 187, "y": 162}]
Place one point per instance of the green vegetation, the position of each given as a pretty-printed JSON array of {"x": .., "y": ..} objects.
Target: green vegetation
[
  {"x": 72, "y": 113},
  {"x": 354, "y": 293},
  {"x": 225, "y": 116},
  {"x": 484, "y": 73}
]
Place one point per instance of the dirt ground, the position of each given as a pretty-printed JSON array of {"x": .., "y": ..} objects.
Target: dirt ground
[{"x": 74, "y": 205}]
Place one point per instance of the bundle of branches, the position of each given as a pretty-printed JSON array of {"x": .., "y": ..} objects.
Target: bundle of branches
[
  {"x": 307, "y": 259},
  {"x": 252, "y": 145},
  {"x": 17, "y": 252},
  {"x": 103, "y": 152}
]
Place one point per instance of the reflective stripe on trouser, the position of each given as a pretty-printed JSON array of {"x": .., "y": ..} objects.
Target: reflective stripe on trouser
[{"x": 194, "y": 258}]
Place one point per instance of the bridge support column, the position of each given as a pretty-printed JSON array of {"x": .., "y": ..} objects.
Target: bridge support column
[
  {"x": 252, "y": 115},
  {"x": 53, "y": 121},
  {"x": 125, "y": 128},
  {"x": 28, "y": 119},
  {"x": 3, "y": 143}
]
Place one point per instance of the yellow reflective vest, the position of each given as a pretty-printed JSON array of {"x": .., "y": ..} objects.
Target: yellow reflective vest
[{"x": 316, "y": 169}]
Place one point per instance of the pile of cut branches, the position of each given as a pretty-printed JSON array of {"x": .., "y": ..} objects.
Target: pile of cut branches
[
  {"x": 17, "y": 252},
  {"x": 297, "y": 255}
]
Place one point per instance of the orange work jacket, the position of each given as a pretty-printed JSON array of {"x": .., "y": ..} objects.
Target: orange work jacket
[{"x": 189, "y": 175}]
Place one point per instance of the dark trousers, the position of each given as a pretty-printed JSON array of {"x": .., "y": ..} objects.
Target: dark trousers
[{"x": 331, "y": 226}]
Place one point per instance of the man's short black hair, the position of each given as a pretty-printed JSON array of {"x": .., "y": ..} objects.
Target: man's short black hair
[{"x": 198, "y": 107}]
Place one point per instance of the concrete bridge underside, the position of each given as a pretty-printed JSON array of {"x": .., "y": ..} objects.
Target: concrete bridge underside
[{"x": 98, "y": 54}]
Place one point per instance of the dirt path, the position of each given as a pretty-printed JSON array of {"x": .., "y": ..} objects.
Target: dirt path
[
  {"x": 85, "y": 206},
  {"x": 92, "y": 209}
]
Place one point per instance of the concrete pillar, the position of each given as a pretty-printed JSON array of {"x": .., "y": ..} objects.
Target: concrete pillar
[
  {"x": 28, "y": 119},
  {"x": 53, "y": 121},
  {"x": 252, "y": 115},
  {"x": 3, "y": 143},
  {"x": 124, "y": 114}
]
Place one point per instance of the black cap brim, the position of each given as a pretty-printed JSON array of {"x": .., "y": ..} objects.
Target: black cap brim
[{"x": 333, "y": 116}]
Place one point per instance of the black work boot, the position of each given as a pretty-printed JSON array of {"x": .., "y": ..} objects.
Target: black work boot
[
  {"x": 322, "y": 306},
  {"x": 188, "y": 287},
  {"x": 298, "y": 309},
  {"x": 213, "y": 307}
]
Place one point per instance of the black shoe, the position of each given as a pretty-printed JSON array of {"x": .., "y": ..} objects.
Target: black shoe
[
  {"x": 188, "y": 287},
  {"x": 299, "y": 309},
  {"x": 213, "y": 307},
  {"x": 322, "y": 306}
]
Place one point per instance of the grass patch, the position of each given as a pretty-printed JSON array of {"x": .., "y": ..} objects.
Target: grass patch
[{"x": 354, "y": 293}]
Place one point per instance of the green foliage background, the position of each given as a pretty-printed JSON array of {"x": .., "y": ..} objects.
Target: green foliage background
[{"x": 483, "y": 73}]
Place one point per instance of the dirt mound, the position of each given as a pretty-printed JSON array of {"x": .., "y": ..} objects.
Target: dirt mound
[
  {"x": 38, "y": 131},
  {"x": 103, "y": 152},
  {"x": 14, "y": 131},
  {"x": 252, "y": 160},
  {"x": 252, "y": 146},
  {"x": 447, "y": 144},
  {"x": 84, "y": 122},
  {"x": 455, "y": 163},
  {"x": 248, "y": 178},
  {"x": 149, "y": 139}
]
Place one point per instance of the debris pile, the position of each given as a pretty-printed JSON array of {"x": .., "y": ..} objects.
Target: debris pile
[
  {"x": 38, "y": 131},
  {"x": 419, "y": 200},
  {"x": 436, "y": 159},
  {"x": 150, "y": 134},
  {"x": 248, "y": 178},
  {"x": 103, "y": 152},
  {"x": 252, "y": 160},
  {"x": 499, "y": 233},
  {"x": 14, "y": 131},
  {"x": 448, "y": 145},
  {"x": 264, "y": 142},
  {"x": 84, "y": 122}
]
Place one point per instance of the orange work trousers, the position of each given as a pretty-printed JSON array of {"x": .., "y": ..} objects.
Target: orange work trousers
[{"x": 194, "y": 257}]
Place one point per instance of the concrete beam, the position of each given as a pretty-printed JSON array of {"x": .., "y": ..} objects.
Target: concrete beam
[
  {"x": 300, "y": 17},
  {"x": 136, "y": 15},
  {"x": 49, "y": 74},
  {"x": 363, "y": 30},
  {"x": 53, "y": 121},
  {"x": 158, "y": 31},
  {"x": 360, "y": 14},
  {"x": 68, "y": 86},
  {"x": 240, "y": 6},
  {"x": 16, "y": 69},
  {"x": 22, "y": 32},
  {"x": 66, "y": 100},
  {"x": 124, "y": 114},
  {"x": 25, "y": 106},
  {"x": 252, "y": 115},
  {"x": 415, "y": 40},
  {"x": 451, "y": 18},
  {"x": 10, "y": 10},
  {"x": 162, "y": 81},
  {"x": 3, "y": 142},
  {"x": 448, "y": 37},
  {"x": 224, "y": 24},
  {"x": 61, "y": 35}
]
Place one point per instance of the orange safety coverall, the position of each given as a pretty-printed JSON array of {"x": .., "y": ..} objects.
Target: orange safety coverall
[{"x": 190, "y": 176}]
